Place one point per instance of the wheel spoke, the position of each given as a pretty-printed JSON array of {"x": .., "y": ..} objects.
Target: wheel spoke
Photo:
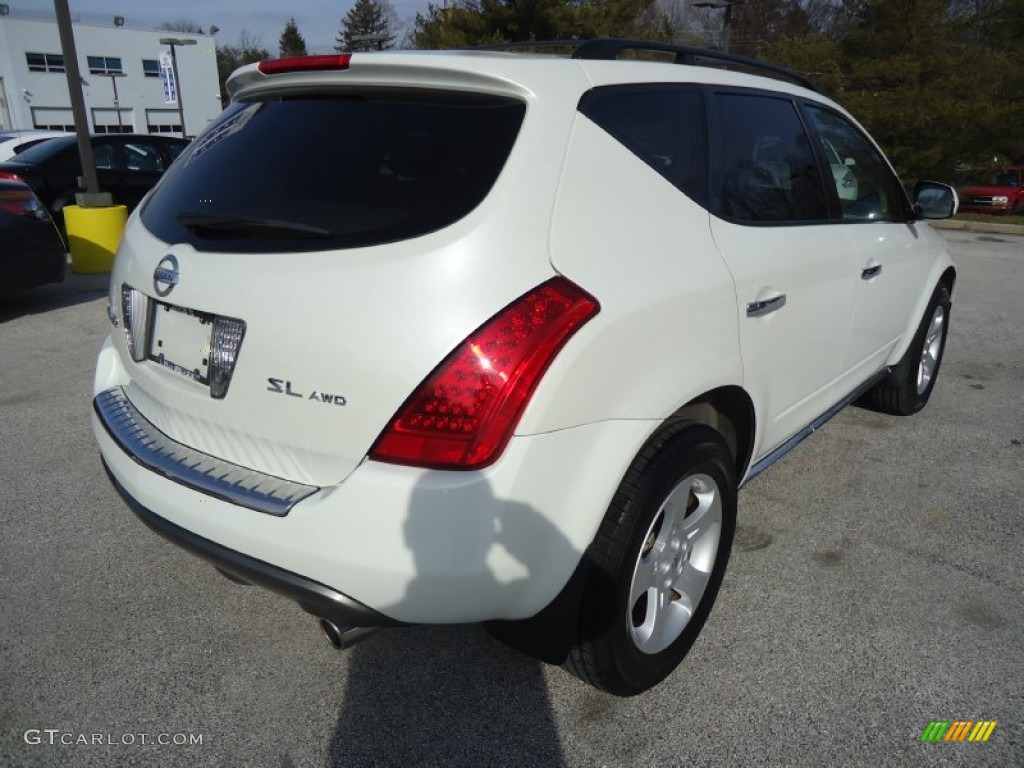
[
  {"x": 674, "y": 513},
  {"x": 691, "y": 584},
  {"x": 643, "y": 579},
  {"x": 708, "y": 511},
  {"x": 666, "y": 620}
]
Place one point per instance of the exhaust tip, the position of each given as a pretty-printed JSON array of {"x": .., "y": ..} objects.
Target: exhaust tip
[
  {"x": 341, "y": 637},
  {"x": 333, "y": 633}
]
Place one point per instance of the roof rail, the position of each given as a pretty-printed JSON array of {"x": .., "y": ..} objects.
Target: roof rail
[{"x": 612, "y": 48}]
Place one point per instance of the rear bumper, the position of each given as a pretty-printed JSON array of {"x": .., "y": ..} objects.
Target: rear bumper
[
  {"x": 312, "y": 597},
  {"x": 395, "y": 544}
]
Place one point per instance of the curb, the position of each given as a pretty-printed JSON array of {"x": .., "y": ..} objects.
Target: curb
[{"x": 994, "y": 227}]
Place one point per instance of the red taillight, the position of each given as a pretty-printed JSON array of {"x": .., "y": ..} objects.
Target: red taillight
[
  {"x": 463, "y": 414},
  {"x": 305, "y": 63},
  {"x": 9, "y": 175},
  {"x": 21, "y": 203}
]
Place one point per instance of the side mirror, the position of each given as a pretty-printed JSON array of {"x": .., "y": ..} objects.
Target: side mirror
[{"x": 934, "y": 200}]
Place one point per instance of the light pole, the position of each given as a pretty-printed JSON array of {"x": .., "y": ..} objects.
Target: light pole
[
  {"x": 117, "y": 104},
  {"x": 726, "y": 21},
  {"x": 173, "y": 41}
]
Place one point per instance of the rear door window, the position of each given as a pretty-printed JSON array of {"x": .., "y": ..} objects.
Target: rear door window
[
  {"x": 339, "y": 170},
  {"x": 763, "y": 169}
]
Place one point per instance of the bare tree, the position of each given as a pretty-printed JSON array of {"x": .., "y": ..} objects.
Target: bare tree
[{"x": 181, "y": 25}]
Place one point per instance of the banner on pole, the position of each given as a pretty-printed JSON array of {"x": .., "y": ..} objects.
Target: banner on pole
[{"x": 167, "y": 75}]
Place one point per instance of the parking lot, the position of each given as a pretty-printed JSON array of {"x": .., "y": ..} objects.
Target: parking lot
[{"x": 875, "y": 586}]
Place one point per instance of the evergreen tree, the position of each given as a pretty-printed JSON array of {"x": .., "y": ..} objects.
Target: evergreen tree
[
  {"x": 479, "y": 22},
  {"x": 291, "y": 43},
  {"x": 368, "y": 26},
  {"x": 931, "y": 80}
]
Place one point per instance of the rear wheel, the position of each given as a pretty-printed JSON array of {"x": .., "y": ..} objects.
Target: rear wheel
[
  {"x": 908, "y": 387},
  {"x": 657, "y": 562}
]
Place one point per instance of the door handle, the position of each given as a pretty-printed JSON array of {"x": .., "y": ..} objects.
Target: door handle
[
  {"x": 766, "y": 306},
  {"x": 868, "y": 272}
]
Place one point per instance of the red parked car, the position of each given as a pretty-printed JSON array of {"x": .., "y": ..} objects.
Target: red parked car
[{"x": 1005, "y": 196}]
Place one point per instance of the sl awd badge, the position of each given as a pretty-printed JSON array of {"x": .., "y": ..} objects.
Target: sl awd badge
[{"x": 284, "y": 387}]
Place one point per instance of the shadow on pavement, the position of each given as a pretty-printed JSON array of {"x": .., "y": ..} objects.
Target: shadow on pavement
[
  {"x": 443, "y": 696},
  {"x": 76, "y": 289},
  {"x": 451, "y": 695}
]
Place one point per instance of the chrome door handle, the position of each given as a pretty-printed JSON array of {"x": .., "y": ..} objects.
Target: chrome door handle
[
  {"x": 868, "y": 272},
  {"x": 766, "y": 306}
]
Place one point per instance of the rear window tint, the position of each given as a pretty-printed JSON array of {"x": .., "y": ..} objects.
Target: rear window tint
[{"x": 358, "y": 168}]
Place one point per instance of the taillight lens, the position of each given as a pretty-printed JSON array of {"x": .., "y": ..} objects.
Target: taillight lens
[
  {"x": 305, "y": 63},
  {"x": 463, "y": 414},
  {"x": 21, "y": 202},
  {"x": 135, "y": 313},
  {"x": 9, "y": 175},
  {"x": 225, "y": 341}
]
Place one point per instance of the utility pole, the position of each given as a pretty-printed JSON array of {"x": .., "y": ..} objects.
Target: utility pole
[
  {"x": 117, "y": 104},
  {"x": 726, "y": 20},
  {"x": 93, "y": 196}
]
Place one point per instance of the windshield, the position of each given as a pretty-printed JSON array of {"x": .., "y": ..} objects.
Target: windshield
[{"x": 353, "y": 168}]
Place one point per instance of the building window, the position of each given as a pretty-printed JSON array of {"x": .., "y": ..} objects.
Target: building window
[
  {"x": 106, "y": 120},
  {"x": 45, "y": 62},
  {"x": 105, "y": 65},
  {"x": 162, "y": 121},
  {"x": 53, "y": 118},
  {"x": 151, "y": 68}
]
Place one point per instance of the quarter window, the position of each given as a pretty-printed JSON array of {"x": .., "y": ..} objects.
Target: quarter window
[
  {"x": 867, "y": 188},
  {"x": 662, "y": 126},
  {"x": 764, "y": 169}
]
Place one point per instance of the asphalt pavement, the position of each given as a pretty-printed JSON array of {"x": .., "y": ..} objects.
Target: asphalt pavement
[{"x": 876, "y": 585}]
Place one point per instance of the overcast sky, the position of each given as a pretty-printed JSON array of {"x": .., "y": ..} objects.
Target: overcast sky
[{"x": 318, "y": 20}]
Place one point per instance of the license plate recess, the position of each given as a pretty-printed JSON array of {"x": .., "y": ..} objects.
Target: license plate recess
[{"x": 180, "y": 341}]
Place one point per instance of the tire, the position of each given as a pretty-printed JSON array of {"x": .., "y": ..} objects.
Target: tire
[
  {"x": 657, "y": 562},
  {"x": 906, "y": 390}
]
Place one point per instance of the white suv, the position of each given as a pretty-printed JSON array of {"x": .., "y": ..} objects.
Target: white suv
[{"x": 477, "y": 336}]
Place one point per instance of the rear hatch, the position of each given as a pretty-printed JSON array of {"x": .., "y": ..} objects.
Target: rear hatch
[{"x": 312, "y": 256}]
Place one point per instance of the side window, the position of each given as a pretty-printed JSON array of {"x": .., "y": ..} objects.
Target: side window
[
  {"x": 764, "y": 169},
  {"x": 867, "y": 188},
  {"x": 174, "y": 149},
  {"x": 103, "y": 156},
  {"x": 662, "y": 125},
  {"x": 140, "y": 156}
]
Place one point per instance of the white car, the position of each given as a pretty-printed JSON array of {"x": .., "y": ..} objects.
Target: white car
[
  {"x": 14, "y": 141},
  {"x": 495, "y": 337}
]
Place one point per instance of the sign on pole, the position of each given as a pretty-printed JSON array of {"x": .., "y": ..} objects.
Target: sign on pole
[{"x": 167, "y": 75}]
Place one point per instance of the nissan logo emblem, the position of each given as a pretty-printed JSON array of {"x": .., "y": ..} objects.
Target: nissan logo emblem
[{"x": 166, "y": 275}]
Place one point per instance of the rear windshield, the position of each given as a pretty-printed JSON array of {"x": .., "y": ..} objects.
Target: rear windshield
[
  {"x": 44, "y": 150},
  {"x": 334, "y": 171}
]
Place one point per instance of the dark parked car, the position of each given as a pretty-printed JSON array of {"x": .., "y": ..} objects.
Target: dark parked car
[
  {"x": 32, "y": 251},
  {"x": 127, "y": 166}
]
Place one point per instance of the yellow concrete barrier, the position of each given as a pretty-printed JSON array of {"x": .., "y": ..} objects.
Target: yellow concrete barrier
[{"x": 93, "y": 236}]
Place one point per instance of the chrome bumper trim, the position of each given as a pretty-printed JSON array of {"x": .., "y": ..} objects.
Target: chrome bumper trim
[{"x": 151, "y": 448}]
